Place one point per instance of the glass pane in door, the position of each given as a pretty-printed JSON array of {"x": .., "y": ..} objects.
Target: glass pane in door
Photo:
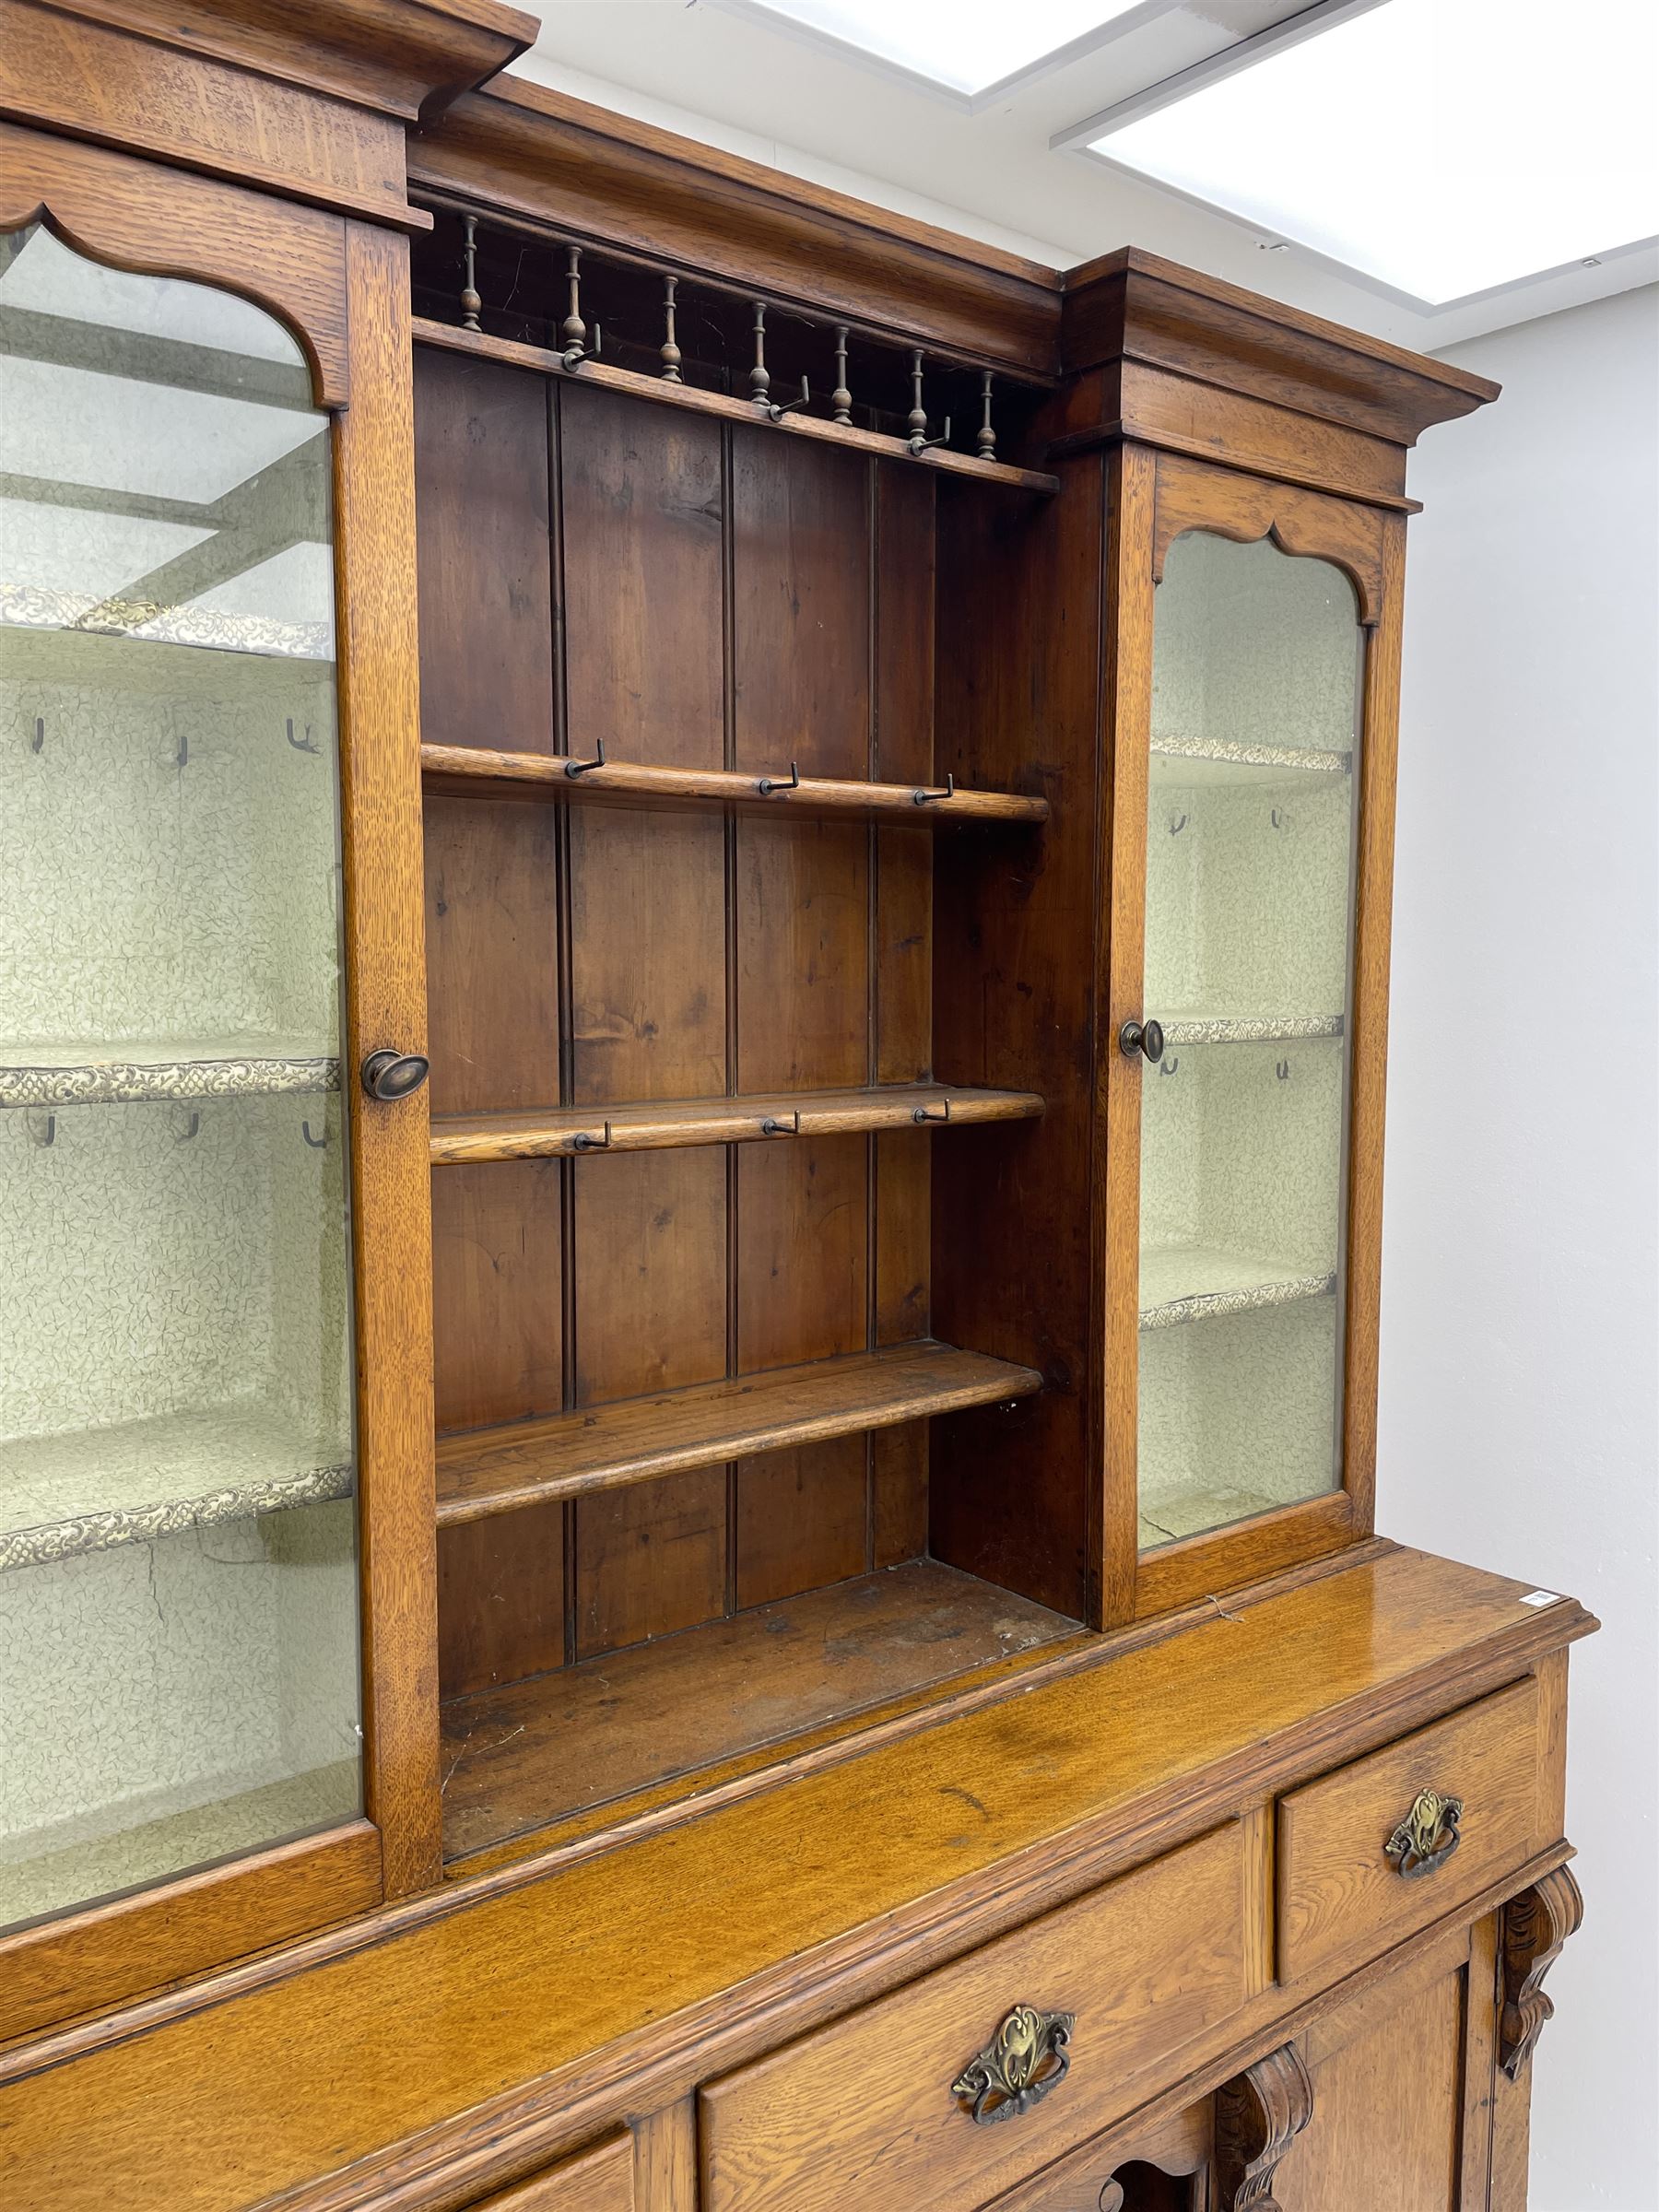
[
  {"x": 1249, "y": 892},
  {"x": 179, "y": 1671}
]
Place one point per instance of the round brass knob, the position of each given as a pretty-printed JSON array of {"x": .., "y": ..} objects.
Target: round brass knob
[
  {"x": 388, "y": 1074},
  {"x": 1145, "y": 1037}
]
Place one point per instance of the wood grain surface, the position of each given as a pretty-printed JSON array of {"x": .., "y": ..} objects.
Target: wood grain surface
[{"x": 602, "y": 1447}]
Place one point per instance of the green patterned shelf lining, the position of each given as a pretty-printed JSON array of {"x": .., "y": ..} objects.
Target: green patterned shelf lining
[
  {"x": 62, "y": 1497},
  {"x": 1248, "y": 1028},
  {"x": 1192, "y": 1513},
  {"x": 140, "y": 1081},
  {"x": 44, "y": 1873},
  {"x": 1195, "y": 1283},
  {"x": 1226, "y": 753},
  {"x": 32, "y": 606}
]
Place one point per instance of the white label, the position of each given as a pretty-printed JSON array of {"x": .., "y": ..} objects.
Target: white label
[{"x": 1542, "y": 1597}]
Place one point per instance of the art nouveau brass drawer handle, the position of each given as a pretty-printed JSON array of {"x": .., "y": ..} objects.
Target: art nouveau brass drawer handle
[
  {"x": 1024, "y": 2060},
  {"x": 1428, "y": 1836}
]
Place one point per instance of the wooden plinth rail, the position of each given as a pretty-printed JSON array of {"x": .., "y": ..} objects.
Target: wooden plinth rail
[
  {"x": 465, "y": 769},
  {"x": 551, "y": 363},
  {"x": 458, "y": 1139},
  {"x": 607, "y": 1447}
]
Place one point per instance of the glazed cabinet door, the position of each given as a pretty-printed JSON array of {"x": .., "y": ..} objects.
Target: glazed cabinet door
[
  {"x": 182, "y": 1560},
  {"x": 1238, "y": 988}
]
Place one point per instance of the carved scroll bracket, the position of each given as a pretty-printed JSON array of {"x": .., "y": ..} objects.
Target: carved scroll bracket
[
  {"x": 1259, "y": 2114},
  {"x": 1535, "y": 1926},
  {"x": 1309, "y": 524}
]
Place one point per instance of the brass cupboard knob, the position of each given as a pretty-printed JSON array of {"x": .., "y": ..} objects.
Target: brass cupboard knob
[
  {"x": 1145, "y": 1037},
  {"x": 388, "y": 1074},
  {"x": 1024, "y": 2060},
  {"x": 1428, "y": 1836}
]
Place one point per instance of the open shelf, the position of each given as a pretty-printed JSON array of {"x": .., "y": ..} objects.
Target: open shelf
[
  {"x": 460, "y": 1138},
  {"x": 689, "y": 396},
  {"x": 1194, "y": 762},
  {"x": 482, "y": 1472},
  {"x": 1195, "y": 1282},
  {"x": 136, "y": 1070},
  {"x": 91, "y": 1490},
  {"x": 1195, "y": 1027},
  {"x": 538, "y": 1751},
  {"x": 43, "y": 1872},
  {"x": 463, "y": 769}
]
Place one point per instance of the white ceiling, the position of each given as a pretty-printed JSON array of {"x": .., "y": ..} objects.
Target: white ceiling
[{"x": 1009, "y": 166}]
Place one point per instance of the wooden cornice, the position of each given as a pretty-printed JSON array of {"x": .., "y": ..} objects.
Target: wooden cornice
[
  {"x": 308, "y": 99},
  {"x": 1134, "y": 307},
  {"x": 550, "y": 159},
  {"x": 406, "y": 58}
]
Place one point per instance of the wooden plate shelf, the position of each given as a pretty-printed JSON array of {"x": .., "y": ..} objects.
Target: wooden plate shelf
[
  {"x": 461, "y": 769},
  {"x": 550, "y": 362},
  {"x": 607, "y": 1447},
  {"x": 459, "y": 1139}
]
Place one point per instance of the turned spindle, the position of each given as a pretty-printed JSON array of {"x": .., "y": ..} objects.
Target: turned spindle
[
  {"x": 671, "y": 352},
  {"x": 986, "y": 441},
  {"x": 470, "y": 301},
  {"x": 840, "y": 399},
  {"x": 759, "y": 377}
]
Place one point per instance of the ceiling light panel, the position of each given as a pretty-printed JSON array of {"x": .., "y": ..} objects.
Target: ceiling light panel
[
  {"x": 965, "y": 45},
  {"x": 1439, "y": 148}
]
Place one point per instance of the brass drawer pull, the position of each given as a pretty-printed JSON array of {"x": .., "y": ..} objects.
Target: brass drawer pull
[
  {"x": 1428, "y": 1836},
  {"x": 1024, "y": 2060}
]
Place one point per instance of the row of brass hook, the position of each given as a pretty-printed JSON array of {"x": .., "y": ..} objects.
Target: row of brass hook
[
  {"x": 41, "y": 1125},
  {"x": 771, "y": 1124},
  {"x": 765, "y": 785},
  {"x": 307, "y": 744},
  {"x": 1168, "y": 1066},
  {"x": 575, "y": 349}
]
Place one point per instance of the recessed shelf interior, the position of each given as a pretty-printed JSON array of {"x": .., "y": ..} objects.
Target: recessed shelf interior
[
  {"x": 1250, "y": 853},
  {"x": 179, "y": 1663},
  {"x": 687, "y": 1100},
  {"x": 726, "y": 1693}
]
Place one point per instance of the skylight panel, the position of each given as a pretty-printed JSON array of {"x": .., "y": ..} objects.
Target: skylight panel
[
  {"x": 1437, "y": 147},
  {"x": 966, "y": 45}
]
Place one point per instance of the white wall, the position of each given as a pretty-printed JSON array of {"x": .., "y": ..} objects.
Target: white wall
[{"x": 1520, "y": 1411}]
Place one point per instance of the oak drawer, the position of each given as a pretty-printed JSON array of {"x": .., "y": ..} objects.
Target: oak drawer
[
  {"x": 595, "y": 2180},
  {"x": 1341, "y": 1897},
  {"x": 863, "y": 2112}
]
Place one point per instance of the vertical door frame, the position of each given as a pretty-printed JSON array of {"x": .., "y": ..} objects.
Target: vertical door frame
[
  {"x": 386, "y": 1007},
  {"x": 1155, "y": 498},
  {"x": 341, "y": 287}
]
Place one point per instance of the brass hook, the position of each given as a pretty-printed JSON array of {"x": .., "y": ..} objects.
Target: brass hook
[
  {"x": 789, "y": 405},
  {"x": 581, "y": 768}
]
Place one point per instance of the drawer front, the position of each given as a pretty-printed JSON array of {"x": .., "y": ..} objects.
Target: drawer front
[
  {"x": 1342, "y": 1895},
  {"x": 865, "y": 2112},
  {"x": 595, "y": 2180}
]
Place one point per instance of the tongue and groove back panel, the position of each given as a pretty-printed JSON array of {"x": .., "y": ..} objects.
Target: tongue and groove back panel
[{"x": 689, "y": 593}]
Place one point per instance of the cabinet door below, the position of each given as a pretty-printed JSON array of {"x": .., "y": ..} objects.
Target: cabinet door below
[{"x": 1386, "y": 2107}]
